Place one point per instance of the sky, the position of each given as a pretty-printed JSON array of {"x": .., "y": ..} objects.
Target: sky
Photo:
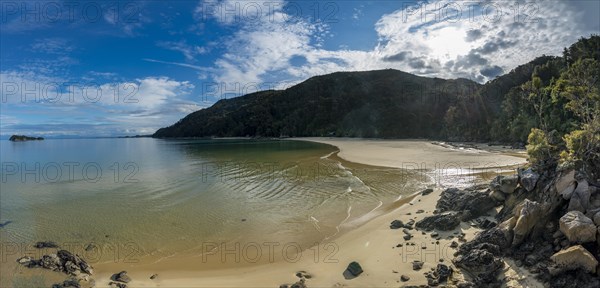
[{"x": 115, "y": 68}]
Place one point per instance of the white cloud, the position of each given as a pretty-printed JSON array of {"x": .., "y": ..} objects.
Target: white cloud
[
  {"x": 189, "y": 51},
  {"x": 445, "y": 39},
  {"x": 137, "y": 105}
]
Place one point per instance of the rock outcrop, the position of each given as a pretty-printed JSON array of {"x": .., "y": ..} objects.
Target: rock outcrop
[
  {"x": 64, "y": 261},
  {"x": 527, "y": 216},
  {"x": 505, "y": 184},
  {"x": 471, "y": 203},
  {"x": 444, "y": 221}
]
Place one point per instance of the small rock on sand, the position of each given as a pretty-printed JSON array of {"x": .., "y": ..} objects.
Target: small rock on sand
[{"x": 417, "y": 265}]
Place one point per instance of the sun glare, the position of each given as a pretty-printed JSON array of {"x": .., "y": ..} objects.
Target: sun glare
[{"x": 448, "y": 42}]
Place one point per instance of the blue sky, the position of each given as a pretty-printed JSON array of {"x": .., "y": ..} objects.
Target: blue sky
[{"x": 110, "y": 68}]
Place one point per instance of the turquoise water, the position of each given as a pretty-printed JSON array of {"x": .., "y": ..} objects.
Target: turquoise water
[{"x": 152, "y": 199}]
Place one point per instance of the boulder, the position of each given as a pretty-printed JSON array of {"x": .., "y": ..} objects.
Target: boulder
[
  {"x": 121, "y": 277},
  {"x": 396, "y": 224},
  {"x": 63, "y": 261},
  {"x": 505, "y": 184},
  {"x": 565, "y": 185},
  {"x": 580, "y": 198},
  {"x": 417, "y": 265},
  {"x": 444, "y": 221},
  {"x": 528, "y": 179},
  {"x": 354, "y": 269},
  {"x": 597, "y": 218},
  {"x": 477, "y": 203},
  {"x": 426, "y": 191},
  {"x": 73, "y": 263},
  {"x": 443, "y": 272},
  {"x": 577, "y": 227},
  {"x": 528, "y": 215},
  {"x": 51, "y": 262},
  {"x": 575, "y": 257},
  {"x": 477, "y": 262}
]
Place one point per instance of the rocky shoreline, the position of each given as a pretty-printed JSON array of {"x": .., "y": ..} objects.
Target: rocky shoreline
[
  {"x": 549, "y": 224},
  {"x": 543, "y": 226}
]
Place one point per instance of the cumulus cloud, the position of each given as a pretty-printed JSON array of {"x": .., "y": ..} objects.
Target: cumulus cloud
[
  {"x": 439, "y": 38},
  {"x": 139, "y": 106}
]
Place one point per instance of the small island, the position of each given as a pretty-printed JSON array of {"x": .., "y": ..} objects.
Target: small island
[{"x": 20, "y": 138}]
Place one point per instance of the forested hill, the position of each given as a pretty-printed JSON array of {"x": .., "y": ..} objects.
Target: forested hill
[
  {"x": 387, "y": 104},
  {"x": 384, "y": 103}
]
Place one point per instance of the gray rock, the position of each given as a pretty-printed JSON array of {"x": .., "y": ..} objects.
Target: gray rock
[
  {"x": 528, "y": 179},
  {"x": 117, "y": 284},
  {"x": 505, "y": 184},
  {"x": 354, "y": 269},
  {"x": 580, "y": 199},
  {"x": 443, "y": 272},
  {"x": 426, "y": 191},
  {"x": 404, "y": 278},
  {"x": 51, "y": 262},
  {"x": 25, "y": 260},
  {"x": 444, "y": 221},
  {"x": 597, "y": 219},
  {"x": 121, "y": 277},
  {"x": 577, "y": 227},
  {"x": 417, "y": 265},
  {"x": 396, "y": 224},
  {"x": 479, "y": 263},
  {"x": 477, "y": 203},
  {"x": 565, "y": 185}
]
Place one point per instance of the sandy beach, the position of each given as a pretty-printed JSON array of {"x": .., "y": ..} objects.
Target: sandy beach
[
  {"x": 374, "y": 245},
  {"x": 422, "y": 154}
]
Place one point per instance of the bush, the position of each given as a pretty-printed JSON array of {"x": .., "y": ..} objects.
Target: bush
[
  {"x": 582, "y": 150},
  {"x": 539, "y": 149}
]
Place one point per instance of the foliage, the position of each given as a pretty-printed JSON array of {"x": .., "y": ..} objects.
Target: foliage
[{"x": 538, "y": 147}]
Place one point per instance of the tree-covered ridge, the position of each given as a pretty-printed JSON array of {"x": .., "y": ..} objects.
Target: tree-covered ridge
[
  {"x": 384, "y": 103},
  {"x": 557, "y": 97}
]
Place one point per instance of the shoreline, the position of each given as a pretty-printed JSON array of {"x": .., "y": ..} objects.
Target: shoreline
[{"x": 369, "y": 242}]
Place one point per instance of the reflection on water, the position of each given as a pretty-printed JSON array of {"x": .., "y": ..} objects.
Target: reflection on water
[{"x": 146, "y": 199}]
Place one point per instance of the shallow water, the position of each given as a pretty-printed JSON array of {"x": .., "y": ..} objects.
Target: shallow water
[{"x": 146, "y": 200}]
